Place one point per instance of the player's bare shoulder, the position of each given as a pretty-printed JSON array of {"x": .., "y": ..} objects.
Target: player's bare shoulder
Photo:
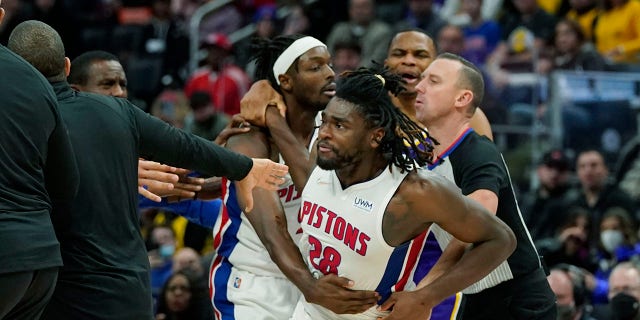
[
  {"x": 254, "y": 143},
  {"x": 420, "y": 182},
  {"x": 428, "y": 194}
]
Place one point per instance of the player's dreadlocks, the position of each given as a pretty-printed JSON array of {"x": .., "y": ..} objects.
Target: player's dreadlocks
[
  {"x": 405, "y": 144},
  {"x": 266, "y": 52}
]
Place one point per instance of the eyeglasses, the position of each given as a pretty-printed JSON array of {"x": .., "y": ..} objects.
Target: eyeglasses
[{"x": 178, "y": 287}]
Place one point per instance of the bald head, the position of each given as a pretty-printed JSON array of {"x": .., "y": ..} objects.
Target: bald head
[
  {"x": 41, "y": 46},
  {"x": 187, "y": 258},
  {"x": 560, "y": 283}
]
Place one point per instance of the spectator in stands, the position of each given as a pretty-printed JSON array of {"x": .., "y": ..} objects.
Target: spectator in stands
[
  {"x": 545, "y": 208},
  {"x": 421, "y": 14},
  {"x": 171, "y": 105},
  {"x": 183, "y": 298},
  {"x": 450, "y": 39},
  {"x": 204, "y": 121},
  {"x": 570, "y": 244},
  {"x": 15, "y": 12},
  {"x": 617, "y": 243},
  {"x": 346, "y": 56},
  {"x": 297, "y": 22},
  {"x": 266, "y": 27},
  {"x": 187, "y": 258},
  {"x": 596, "y": 193},
  {"x": 454, "y": 11},
  {"x": 224, "y": 20},
  {"x": 225, "y": 81},
  {"x": 481, "y": 35},
  {"x": 165, "y": 38},
  {"x": 571, "y": 51},
  {"x": 184, "y": 9},
  {"x": 584, "y": 12},
  {"x": 624, "y": 291},
  {"x": 363, "y": 27},
  {"x": 162, "y": 242},
  {"x": 524, "y": 35},
  {"x": 567, "y": 282},
  {"x": 617, "y": 31}
]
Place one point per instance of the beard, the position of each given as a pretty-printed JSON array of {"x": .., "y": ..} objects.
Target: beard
[
  {"x": 338, "y": 161},
  {"x": 328, "y": 164}
]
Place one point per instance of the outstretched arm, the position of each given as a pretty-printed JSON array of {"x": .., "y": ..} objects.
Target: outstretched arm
[
  {"x": 178, "y": 148},
  {"x": 466, "y": 220},
  {"x": 203, "y": 213},
  {"x": 156, "y": 180}
]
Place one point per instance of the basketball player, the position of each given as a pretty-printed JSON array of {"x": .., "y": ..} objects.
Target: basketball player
[
  {"x": 366, "y": 210},
  {"x": 258, "y": 272}
]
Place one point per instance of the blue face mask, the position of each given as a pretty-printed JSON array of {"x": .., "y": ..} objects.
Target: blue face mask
[{"x": 167, "y": 250}]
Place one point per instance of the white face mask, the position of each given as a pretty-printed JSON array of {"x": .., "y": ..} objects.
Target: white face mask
[{"x": 611, "y": 239}]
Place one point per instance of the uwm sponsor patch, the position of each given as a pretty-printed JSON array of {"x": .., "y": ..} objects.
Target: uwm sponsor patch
[{"x": 363, "y": 204}]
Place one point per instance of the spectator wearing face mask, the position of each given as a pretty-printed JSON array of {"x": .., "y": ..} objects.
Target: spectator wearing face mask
[
  {"x": 617, "y": 243},
  {"x": 163, "y": 246},
  {"x": 624, "y": 292}
]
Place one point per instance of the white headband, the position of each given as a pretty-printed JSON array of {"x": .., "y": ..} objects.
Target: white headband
[{"x": 289, "y": 55}]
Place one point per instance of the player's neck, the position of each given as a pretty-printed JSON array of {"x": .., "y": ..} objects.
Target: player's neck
[
  {"x": 367, "y": 169},
  {"x": 301, "y": 119}
]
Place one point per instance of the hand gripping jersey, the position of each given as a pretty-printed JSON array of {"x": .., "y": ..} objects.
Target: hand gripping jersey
[{"x": 342, "y": 234}]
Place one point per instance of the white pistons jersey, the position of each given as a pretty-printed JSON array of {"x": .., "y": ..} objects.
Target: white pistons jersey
[
  {"x": 235, "y": 238},
  {"x": 342, "y": 234}
]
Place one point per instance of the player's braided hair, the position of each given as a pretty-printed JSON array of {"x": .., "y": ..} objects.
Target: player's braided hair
[
  {"x": 267, "y": 51},
  {"x": 405, "y": 143}
]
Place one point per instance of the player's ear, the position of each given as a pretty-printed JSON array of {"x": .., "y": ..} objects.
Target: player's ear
[
  {"x": 285, "y": 82},
  {"x": 464, "y": 98},
  {"x": 376, "y": 137},
  {"x": 67, "y": 66}
]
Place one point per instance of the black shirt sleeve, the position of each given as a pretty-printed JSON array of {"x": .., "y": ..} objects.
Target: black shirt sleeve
[
  {"x": 164, "y": 143},
  {"x": 61, "y": 171},
  {"x": 483, "y": 170}
]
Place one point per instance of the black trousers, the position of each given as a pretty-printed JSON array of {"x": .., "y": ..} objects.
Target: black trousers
[
  {"x": 24, "y": 295},
  {"x": 525, "y": 298}
]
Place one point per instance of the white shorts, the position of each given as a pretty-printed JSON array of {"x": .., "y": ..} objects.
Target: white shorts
[
  {"x": 308, "y": 311},
  {"x": 242, "y": 295}
]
